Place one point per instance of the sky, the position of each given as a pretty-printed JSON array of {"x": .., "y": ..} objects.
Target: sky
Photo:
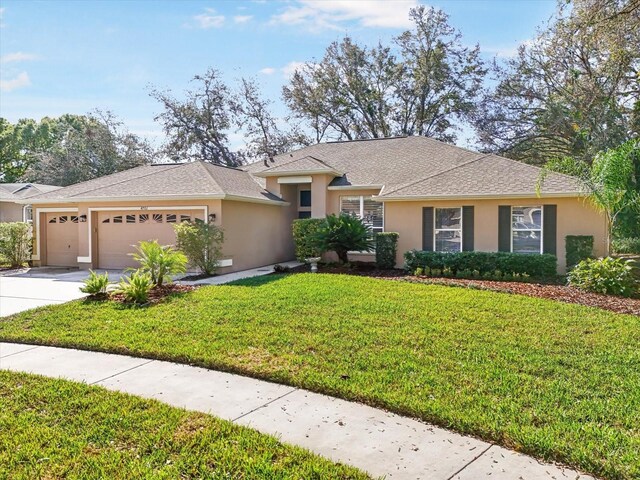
[{"x": 61, "y": 57}]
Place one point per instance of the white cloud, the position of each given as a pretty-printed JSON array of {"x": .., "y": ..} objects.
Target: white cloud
[
  {"x": 20, "y": 81},
  {"x": 267, "y": 71},
  {"x": 242, "y": 18},
  {"x": 209, "y": 19},
  {"x": 330, "y": 14},
  {"x": 290, "y": 68},
  {"x": 17, "y": 57}
]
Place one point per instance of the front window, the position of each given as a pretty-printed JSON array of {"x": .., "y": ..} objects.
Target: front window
[
  {"x": 364, "y": 207},
  {"x": 448, "y": 230},
  {"x": 28, "y": 214},
  {"x": 526, "y": 229}
]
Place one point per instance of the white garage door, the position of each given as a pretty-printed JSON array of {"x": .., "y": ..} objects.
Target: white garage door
[
  {"x": 62, "y": 239},
  {"x": 119, "y": 231}
]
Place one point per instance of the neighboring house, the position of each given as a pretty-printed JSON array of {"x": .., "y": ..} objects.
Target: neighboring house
[
  {"x": 436, "y": 196},
  {"x": 11, "y": 193}
]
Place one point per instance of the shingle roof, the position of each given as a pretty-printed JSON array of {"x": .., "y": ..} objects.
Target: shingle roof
[
  {"x": 422, "y": 167},
  {"x": 299, "y": 165},
  {"x": 193, "y": 180},
  {"x": 15, "y": 191}
]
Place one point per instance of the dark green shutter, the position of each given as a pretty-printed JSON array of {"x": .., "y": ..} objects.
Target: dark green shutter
[
  {"x": 549, "y": 228},
  {"x": 504, "y": 228},
  {"x": 427, "y": 229},
  {"x": 467, "y": 229}
]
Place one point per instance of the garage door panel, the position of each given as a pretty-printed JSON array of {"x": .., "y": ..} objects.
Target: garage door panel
[
  {"x": 120, "y": 231},
  {"x": 62, "y": 239}
]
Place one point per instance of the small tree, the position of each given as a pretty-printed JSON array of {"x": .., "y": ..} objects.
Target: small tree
[
  {"x": 202, "y": 244},
  {"x": 15, "y": 243},
  {"x": 344, "y": 233},
  {"x": 305, "y": 232},
  {"x": 159, "y": 261},
  {"x": 608, "y": 181}
]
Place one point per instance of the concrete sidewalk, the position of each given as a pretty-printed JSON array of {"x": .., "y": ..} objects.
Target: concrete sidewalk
[{"x": 381, "y": 443}]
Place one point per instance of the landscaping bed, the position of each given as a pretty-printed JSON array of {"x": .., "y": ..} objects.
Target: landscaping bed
[
  {"x": 555, "y": 380},
  {"x": 552, "y": 289},
  {"x": 156, "y": 294},
  {"x": 61, "y": 429}
]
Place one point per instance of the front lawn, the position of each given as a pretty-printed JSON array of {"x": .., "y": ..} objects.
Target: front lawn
[
  {"x": 555, "y": 380},
  {"x": 60, "y": 429}
]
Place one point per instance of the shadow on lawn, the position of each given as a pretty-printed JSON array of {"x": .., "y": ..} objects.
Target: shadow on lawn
[{"x": 258, "y": 281}]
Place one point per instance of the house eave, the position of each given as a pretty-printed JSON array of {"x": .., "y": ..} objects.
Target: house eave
[
  {"x": 155, "y": 198},
  {"x": 413, "y": 198},
  {"x": 290, "y": 173},
  {"x": 355, "y": 187}
]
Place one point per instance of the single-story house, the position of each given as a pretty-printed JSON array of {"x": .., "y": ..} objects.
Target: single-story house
[
  {"x": 435, "y": 195},
  {"x": 11, "y": 193}
]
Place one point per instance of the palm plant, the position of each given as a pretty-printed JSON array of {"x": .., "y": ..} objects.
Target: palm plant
[
  {"x": 343, "y": 234},
  {"x": 159, "y": 261}
]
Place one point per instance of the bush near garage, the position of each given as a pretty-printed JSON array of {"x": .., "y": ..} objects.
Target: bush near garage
[
  {"x": 15, "y": 243},
  {"x": 202, "y": 243}
]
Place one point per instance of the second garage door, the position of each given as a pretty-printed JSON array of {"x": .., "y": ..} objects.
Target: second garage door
[{"x": 119, "y": 231}]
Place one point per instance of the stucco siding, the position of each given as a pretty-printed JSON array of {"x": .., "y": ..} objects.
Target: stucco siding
[
  {"x": 574, "y": 217},
  {"x": 11, "y": 212},
  {"x": 256, "y": 234}
]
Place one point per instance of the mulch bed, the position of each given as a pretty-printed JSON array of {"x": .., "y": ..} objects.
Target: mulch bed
[
  {"x": 549, "y": 291},
  {"x": 195, "y": 276},
  {"x": 156, "y": 294}
]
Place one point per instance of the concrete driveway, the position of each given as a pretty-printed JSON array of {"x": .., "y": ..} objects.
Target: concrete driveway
[{"x": 37, "y": 287}]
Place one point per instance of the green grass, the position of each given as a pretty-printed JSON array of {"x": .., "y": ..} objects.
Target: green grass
[
  {"x": 555, "y": 380},
  {"x": 60, "y": 429}
]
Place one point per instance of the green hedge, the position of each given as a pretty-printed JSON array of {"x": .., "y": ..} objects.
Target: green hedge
[
  {"x": 544, "y": 265},
  {"x": 386, "y": 249},
  {"x": 626, "y": 245},
  {"x": 578, "y": 248},
  {"x": 304, "y": 236}
]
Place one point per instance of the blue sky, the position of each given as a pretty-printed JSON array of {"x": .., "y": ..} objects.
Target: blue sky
[{"x": 71, "y": 57}]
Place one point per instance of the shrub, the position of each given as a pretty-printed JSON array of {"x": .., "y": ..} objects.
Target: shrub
[
  {"x": 604, "y": 275},
  {"x": 281, "y": 268},
  {"x": 626, "y": 245},
  {"x": 342, "y": 234},
  {"x": 136, "y": 287},
  {"x": 386, "y": 249},
  {"x": 159, "y": 261},
  {"x": 202, "y": 243},
  {"x": 483, "y": 262},
  {"x": 305, "y": 237},
  {"x": 578, "y": 248},
  {"x": 95, "y": 284},
  {"x": 15, "y": 243}
]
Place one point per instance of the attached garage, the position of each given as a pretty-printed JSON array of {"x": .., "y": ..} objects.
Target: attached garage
[
  {"x": 62, "y": 239},
  {"x": 119, "y": 231}
]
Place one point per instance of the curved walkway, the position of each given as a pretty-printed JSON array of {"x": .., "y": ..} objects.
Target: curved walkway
[{"x": 376, "y": 441}]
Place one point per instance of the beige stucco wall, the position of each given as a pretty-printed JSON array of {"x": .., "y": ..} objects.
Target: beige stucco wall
[
  {"x": 11, "y": 212},
  {"x": 574, "y": 217},
  {"x": 257, "y": 234}
]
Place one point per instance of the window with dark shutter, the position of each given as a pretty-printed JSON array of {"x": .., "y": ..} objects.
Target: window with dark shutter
[{"x": 427, "y": 229}]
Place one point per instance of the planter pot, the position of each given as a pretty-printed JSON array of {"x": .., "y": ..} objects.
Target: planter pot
[{"x": 314, "y": 263}]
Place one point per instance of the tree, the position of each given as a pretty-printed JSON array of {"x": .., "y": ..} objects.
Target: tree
[
  {"x": 76, "y": 148},
  {"x": 573, "y": 91},
  {"x": 342, "y": 234},
  {"x": 198, "y": 127},
  {"x": 19, "y": 144},
  {"x": 264, "y": 138},
  {"x": 609, "y": 182},
  {"x": 421, "y": 86},
  {"x": 202, "y": 244}
]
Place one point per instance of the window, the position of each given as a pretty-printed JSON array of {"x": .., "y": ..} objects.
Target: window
[
  {"x": 157, "y": 217},
  {"x": 171, "y": 218},
  {"x": 131, "y": 219},
  {"x": 117, "y": 219},
  {"x": 526, "y": 229},
  {"x": 305, "y": 198},
  {"x": 74, "y": 218},
  {"x": 448, "y": 229},
  {"x": 370, "y": 211},
  {"x": 304, "y": 214},
  {"x": 185, "y": 218},
  {"x": 63, "y": 219},
  {"x": 143, "y": 218},
  {"x": 28, "y": 214}
]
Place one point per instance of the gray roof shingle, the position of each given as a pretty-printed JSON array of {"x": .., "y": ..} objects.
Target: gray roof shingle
[
  {"x": 423, "y": 167},
  {"x": 194, "y": 179},
  {"x": 15, "y": 191}
]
